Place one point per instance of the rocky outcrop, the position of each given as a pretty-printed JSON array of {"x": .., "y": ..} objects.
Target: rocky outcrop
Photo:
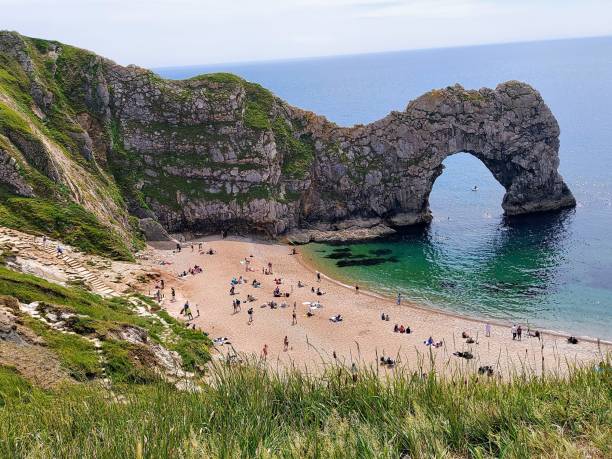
[
  {"x": 387, "y": 169},
  {"x": 218, "y": 153},
  {"x": 10, "y": 176},
  {"x": 152, "y": 230}
]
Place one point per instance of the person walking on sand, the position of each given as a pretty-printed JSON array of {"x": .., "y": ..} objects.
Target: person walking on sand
[
  {"x": 294, "y": 318},
  {"x": 188, "y": 313},
  {"x": 44, "y": 241},
  {"x": 318, "y": 276},
  {"x": 399, "y": 298},
  {"x": 513, "y": 330},
  {"x": 286, "y": 344},
  {"x": 519, "y": 333},
  {"x": 173, "y": 293},
  {"x": 264, "y": 352},
  {"x": 250, "y": 313},
  {"x": 487, "y": 329}
]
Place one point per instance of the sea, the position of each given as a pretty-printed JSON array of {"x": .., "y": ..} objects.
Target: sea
[{"x": 552, "y": 271}]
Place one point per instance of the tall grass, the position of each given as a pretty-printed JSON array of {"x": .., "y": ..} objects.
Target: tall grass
[{"x": 248, "y": 411}]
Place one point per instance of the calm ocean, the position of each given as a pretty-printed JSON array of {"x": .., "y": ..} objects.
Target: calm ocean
[{"x": 554, "y": 271}]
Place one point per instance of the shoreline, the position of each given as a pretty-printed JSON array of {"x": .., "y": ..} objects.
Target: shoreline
[
  {"x": 442, "y": 311},
  {"x": 362, "y": 334}
]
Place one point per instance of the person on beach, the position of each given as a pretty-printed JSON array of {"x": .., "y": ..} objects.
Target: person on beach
[
  {"x": 519, "y": 333},
  {"x": 59, "y": 250},
  {"x": 44, "y": 241},
  {"x": 232, "y": 290},
  {"x": 399, "y": 298},
  {"x": 192, "y": 249},
  {"x": 318, "y": 276},
  {"x": 188, "y": 313},
  {"x": 199, "y": 246},
  {"x": 487, "y": 329},
  {"x": 163, "y": 284},
  {"x": 513, "y": 331},
  {"x": 356, "y": 289},
  {"x": 178, "y": 247},
  {"x": 197, "y": 311},
  {"x": 250, "y": 313},
  {"x": 285, "y": 344},
  {"x": 294, "y": 318},
  {"x": 264, "y": 352},
  {"x": 173, "y": 293}
]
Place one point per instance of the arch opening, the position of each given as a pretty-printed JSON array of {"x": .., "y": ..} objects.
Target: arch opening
[{"x": 466, "y": 189}]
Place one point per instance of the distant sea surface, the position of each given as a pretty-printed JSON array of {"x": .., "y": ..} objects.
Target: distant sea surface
[{"x": 552, "y": 270}]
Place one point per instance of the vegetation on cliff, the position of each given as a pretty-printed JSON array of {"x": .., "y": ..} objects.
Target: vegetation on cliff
[
  {"x": 66, "y": 221},
  {"x": 88, "y": 317}
]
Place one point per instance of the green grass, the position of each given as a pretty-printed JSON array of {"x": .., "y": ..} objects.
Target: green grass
[
  {"x": 122, "y": 365},
  {"x": 77, "y": 355},
  {"x": 248, "y": 412},
  {"x": 98, "y": 317},
  {"x": 13, "y": 386},
  {"x": 10, "y": 121},
  {"x": 258, "y": 106},
  {"x": 66, "y": 221},
  {"x": 298, "y": 154}
]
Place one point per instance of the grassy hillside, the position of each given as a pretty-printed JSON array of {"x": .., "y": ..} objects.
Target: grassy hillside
[
  {"x": 88, "y": 317},
  {"x": 75, "y": 199},
  {"x": 247, "y": 412}
]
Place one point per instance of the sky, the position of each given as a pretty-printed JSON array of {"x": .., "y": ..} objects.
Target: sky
[{"x": 156, "y": 33}]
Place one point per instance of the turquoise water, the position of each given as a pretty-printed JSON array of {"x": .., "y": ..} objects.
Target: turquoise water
[{"x": 553, "y": 270}]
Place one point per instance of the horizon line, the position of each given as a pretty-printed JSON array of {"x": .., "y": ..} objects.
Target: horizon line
[{"x": 357, "y": 54}]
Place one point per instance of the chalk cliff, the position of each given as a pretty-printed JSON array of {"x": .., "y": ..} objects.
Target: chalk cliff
[{"x": 216, "y": 152}]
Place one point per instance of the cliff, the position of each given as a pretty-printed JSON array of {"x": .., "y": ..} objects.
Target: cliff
[{"x": 216, "y": 152}]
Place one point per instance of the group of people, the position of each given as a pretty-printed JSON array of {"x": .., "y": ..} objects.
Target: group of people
[
  {"x": 186, "y": 311},
  {"x": 401, "y": 329},
  {"x": 277, "y": 293},
  {"x": 430, "y": 342},
  {"x": 517, "y": 332}
]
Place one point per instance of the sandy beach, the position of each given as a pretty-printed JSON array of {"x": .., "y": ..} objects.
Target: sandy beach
[{"x": 362, "y": 336}]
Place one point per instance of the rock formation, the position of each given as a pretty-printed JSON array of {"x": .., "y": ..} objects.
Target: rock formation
[{"x": 216, "y": 152}]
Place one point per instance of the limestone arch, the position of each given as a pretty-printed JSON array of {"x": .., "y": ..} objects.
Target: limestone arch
[{"x": 510, "y": 130}]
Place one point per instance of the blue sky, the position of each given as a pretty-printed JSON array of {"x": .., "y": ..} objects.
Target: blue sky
[{"x": 153, "y": 33}]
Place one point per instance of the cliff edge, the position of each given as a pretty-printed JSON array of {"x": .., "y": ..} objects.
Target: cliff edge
[{"x": 215, "y": 152}]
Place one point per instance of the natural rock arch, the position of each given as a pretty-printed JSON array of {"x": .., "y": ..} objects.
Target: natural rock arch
[{"x": 510, "y": 129}]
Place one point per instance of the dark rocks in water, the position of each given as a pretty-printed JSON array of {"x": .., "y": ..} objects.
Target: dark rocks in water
[
  {"x": 365, "y": 261},
  {"x": 338, "y": 256},
  {"x": 381, "y": 252}
]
